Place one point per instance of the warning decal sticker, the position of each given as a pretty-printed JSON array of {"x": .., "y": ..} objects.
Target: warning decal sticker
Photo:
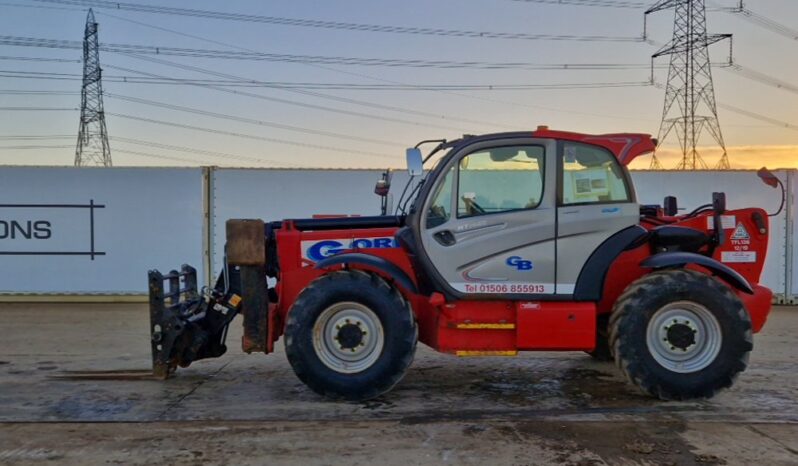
[
  {"x": 727, "y": 222},
  {"x": 738, "y": 257},
  {"x": 740, "y": 232}
]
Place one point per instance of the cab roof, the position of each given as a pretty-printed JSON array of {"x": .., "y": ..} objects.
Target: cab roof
[{"x": 624, "y": 146}]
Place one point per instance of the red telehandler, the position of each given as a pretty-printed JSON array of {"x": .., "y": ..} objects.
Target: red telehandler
[{"x": 523, "y": 241}]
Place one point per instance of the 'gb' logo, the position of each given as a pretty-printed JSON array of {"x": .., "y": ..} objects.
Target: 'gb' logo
[{"x": 519, "y": 263}]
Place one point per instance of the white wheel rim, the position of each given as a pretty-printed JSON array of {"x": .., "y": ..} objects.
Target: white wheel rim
[
  {"x": 348, "y": 337},
  {"x": 684, "y": 337}
]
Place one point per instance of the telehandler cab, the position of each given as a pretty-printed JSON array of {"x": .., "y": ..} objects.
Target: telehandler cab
[{"x": 524, "y": 241}]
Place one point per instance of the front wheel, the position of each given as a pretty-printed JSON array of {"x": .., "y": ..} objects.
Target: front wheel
[
  {"x": 680, "y": 334},
  {"x": 602, "y": 351},
  {"x": 350, "y": 335}
]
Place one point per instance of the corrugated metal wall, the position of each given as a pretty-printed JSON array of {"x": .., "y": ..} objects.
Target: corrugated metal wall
[{"x": 156, "y": 217}]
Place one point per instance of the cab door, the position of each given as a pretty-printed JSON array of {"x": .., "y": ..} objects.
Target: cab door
[
  {"x": 595, "y": 201},
  {"x": 488, "y": 225}
]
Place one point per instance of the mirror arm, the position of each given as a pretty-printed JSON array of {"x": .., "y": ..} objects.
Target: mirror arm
[
  {"x": 427, "y": 141},
  {"x": 434, "y": 151}
]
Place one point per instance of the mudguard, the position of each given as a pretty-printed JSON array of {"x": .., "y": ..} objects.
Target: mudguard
[
  {"x": 590, "y": 283},
  {"x": 680, "y": 259},
  {"x": 388, "y": 268}
]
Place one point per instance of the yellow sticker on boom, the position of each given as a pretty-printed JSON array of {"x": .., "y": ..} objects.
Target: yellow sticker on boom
[{"x": 234, "y": 300}]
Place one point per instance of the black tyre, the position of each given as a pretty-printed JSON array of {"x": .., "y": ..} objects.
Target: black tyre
[
  {"x": 350, "y": 336},
  {"x": 680, "y": 334},
  {"x": 602, "y": 350}
]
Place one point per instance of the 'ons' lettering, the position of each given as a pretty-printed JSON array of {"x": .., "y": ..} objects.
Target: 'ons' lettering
[{"x": 12, "y": 229}]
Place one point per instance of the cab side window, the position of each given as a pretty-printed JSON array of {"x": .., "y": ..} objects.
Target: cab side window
[
  {"x": 500, "y": 179},
  {"x": 592, "y": 175},
  {"x": 440, "y": 209}
]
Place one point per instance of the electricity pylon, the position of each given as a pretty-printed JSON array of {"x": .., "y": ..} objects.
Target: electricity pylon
[
  {"x": 655, "y": 163},
  {"x": 690, "y": 106},
  {"x": 92, "y": 147}
]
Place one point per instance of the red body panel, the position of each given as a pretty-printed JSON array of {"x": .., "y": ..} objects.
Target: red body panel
[
  {"x": 552, "y": 325},
  {"x": 507, "y": 326},
  {"x": 757, "y": 305},
  {"x": 625, "y": 146}
]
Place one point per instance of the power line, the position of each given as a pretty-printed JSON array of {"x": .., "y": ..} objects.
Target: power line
[
  {"x": 30, "y": 147},
  {"x": 767, "y": 23},
  {"x": 592, "y": 3},
  {"x": 199, "y": 151},
  {"x": 286, "y": 85},
  {"x": 370, "y": 116},
  {"x": 336, "y": 25},
  {"x": 762, "y": 78},
  {"x": 20, "y": 41},
  {"x": 161, "y": 156},
  {"x": 252, "y": 136},
  {"x": 325, "y": 96},
  {"x": 38, "y": 109},
  {"x": 37, "y": 137},
  {"x": 745, "y": 13},
  {"x": 39, "y": 7},
  {"x": 758, "y": 116},
  {"x": 28, "y": 75},
  {"x": 377, "y": 79},
  {"x": 36, "y": 92},
  {"x": 39, "y": 75},
  {"x": 605, "y": 4},
  {"x": 251, "y": 121},
  {"x": 40, "y": 59},
  {"x": 292, "y": 85}
]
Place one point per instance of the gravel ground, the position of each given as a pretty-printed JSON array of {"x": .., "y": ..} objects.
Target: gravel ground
[{"x": 538, "y": 408}]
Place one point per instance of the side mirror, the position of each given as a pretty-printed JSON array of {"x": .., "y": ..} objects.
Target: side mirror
[
  {"x": 768, "y": 177},
  {"x": 415, "y": 162}
]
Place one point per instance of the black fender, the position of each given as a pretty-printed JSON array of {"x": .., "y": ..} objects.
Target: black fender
[
  {"x": 590, "y": 283},
  {"x": 385, "y": 266},
  {"x": 680, "y": 259}
]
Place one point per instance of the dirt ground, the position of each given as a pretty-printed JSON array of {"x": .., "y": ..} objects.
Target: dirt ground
[{"x": 543, "y": 408}]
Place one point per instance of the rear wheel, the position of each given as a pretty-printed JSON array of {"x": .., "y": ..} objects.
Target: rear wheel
[
  {"x": 680, "y": 334},
  {"x": 350, "y": 335}
]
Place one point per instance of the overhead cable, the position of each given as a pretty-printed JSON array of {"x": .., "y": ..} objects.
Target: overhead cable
[
  {"x": 254, "y": 137},
  {"x": 21, "y": 41},
  {"x": 200, "y": 151},
  {"x": 336, "y": 25},
  {"x": 251, "y": 121}
]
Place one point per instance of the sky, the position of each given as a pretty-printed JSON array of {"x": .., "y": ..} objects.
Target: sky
[{"x": 356, "y": 128}]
